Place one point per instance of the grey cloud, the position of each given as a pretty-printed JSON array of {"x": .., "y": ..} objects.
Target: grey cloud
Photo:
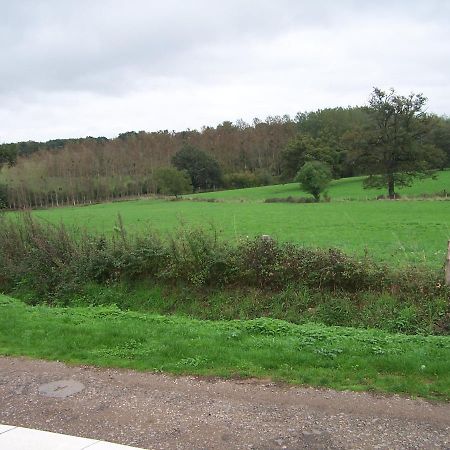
[
  {"x": 103, "y": 46},
  {"x": 57, "y": 54}
]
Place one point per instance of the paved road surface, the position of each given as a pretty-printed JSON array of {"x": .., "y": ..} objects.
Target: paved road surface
[{"x": 164, "y": 412}]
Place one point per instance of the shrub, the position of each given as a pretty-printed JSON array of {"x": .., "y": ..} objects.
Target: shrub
[
  {"x": 291, "y": 200},
  {"x": 170, "y": 181},
  {"x": 50, "y": 260},
  {"x": 314, "y": 177}
]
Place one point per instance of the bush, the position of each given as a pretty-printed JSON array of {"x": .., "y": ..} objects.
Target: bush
[
  {"x": 290, "y": 200},
  {"x": 314, "y": 177},
  {"x": 170, "y": 181},
  {"x": 239, "y": 180},
  {"x": 51, "y": 261}
]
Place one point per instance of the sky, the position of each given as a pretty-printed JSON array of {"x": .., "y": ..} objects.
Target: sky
[{"x": 101, "y": 67}]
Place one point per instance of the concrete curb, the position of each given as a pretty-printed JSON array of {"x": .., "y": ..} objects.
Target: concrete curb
[{"x": 19, "y": 438}]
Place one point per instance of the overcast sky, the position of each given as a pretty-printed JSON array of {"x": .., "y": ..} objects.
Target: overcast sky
[{"x": 101, "y": 67}]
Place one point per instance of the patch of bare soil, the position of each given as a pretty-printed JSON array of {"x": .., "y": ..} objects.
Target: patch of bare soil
[{"x": 165, "y": 412}]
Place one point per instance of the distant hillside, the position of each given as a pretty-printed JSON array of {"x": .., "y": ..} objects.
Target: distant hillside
[{"x": 74, "y": 171}]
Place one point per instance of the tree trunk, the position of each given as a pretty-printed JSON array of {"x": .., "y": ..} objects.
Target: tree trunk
[{"x": 391, "y": 186}]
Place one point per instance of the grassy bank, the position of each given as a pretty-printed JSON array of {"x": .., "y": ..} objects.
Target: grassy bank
[
  {"x": 295, "y": 304},
  {"x": 196, "y": 273},
  {"x": 341, "y": 358}
]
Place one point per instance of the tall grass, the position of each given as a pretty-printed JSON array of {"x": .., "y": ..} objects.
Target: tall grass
[{"x": 53, "y": 262}]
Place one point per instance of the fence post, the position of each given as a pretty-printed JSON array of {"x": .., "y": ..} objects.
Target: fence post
[{"x": 447, "y": 266}]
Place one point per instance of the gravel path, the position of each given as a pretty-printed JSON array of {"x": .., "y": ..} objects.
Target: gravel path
[{"x": 166, "y": 412}]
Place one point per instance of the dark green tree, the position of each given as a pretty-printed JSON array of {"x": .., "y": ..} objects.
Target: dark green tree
[
  {"x": 393, "y": 149},
  {"x": 170, "y": 181},
  {"x": 332, "y": 129},
  {"x": 314, "y": 177},
  {"x": 203, "y": 169},
  {"x": 440, "y": 138},
  {"x": 8, "y": 154},
  {"x": 304, "y": 148}
]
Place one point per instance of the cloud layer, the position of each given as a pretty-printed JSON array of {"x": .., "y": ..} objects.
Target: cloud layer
[{"x": 101, "y": 67}]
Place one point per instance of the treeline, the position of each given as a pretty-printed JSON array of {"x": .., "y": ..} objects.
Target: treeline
[
  {"x": 100, "y": 169},
  {"x": 267, "y": 151}
]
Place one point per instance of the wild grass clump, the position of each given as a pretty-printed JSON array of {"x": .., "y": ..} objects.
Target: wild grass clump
[{"x": 53, "y": 262}]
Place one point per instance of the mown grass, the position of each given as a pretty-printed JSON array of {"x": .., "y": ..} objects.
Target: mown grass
[
  {"x": 336, "y": 357},
  {"x": 396, "y": 232}
]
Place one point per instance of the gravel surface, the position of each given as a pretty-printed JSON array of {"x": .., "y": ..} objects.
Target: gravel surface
[{"x": 158, "y": 411}]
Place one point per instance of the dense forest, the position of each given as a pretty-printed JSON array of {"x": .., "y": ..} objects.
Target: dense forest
[{"x": 73, "y": 171}]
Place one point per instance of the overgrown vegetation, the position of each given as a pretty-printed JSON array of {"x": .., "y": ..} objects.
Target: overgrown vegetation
[
  {"x": 399, "y": 233},
  {"x": 49, "y": 263},
  {"x": 341, "y": 358}
]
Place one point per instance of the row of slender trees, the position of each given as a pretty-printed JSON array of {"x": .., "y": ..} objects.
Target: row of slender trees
[
  {"x": 392, "y": 140},
  {"x": 91, "y": 170}
]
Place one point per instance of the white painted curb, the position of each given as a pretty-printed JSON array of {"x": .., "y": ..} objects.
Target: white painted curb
[{"x": 18, "y": 438}]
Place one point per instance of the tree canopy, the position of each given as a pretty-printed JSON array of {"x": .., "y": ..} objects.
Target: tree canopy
[
  {"x": 314, "y": 177},
  {"x": 393, "y": 149},
  {"x": 170, "y": 181},
  {"x": 8, "y": 154},
  {"x": 203, "y": 169}
]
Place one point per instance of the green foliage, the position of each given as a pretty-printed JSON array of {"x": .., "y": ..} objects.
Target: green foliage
[
  {"x": 170, "y": 181},
  {"x": 239, "y": 180},
  {"x": 439, "y": 137},
  {"x": 340, "y": 358},
  {"x": 203, "y": 169},
  {"x": 290, "y": 199},
  {"x": 3, "y": 196},
  {"x": 393, "y": 148},
  {"x": 52, "y": 264},
  {"x": 314, "y": 177},
  {"x": 246, "y": 179},
  {"x": 323, "y": 135},
  {"x": 304, "y": 149},
  {"x": 8, "y": 154}
]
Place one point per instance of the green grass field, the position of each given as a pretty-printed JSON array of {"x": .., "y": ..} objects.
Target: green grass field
[
  {"x": 413, "y": 231},
  {"x": 397, "y": 232},
  {"x": 337, "y": 357},
  {"x": 343, "y": 189}
]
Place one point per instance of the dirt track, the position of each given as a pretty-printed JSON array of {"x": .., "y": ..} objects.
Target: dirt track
[{"x": 165, "y": 412}]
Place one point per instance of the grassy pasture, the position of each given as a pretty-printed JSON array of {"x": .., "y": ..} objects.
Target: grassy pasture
[
  {"x": 414, "y": 231},
  {"x": 397, "y": 232},
  {"x": 343, "y": 189},
  {"x": 337, "y": 357}
]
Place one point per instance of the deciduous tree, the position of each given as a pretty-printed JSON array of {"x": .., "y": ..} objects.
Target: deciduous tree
[
  {"x": 393, "y": 150},
  {"x": 314, "y": 177},
  {"x": 170, "y": 181},
  {"x": 203, "y": 169}
]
